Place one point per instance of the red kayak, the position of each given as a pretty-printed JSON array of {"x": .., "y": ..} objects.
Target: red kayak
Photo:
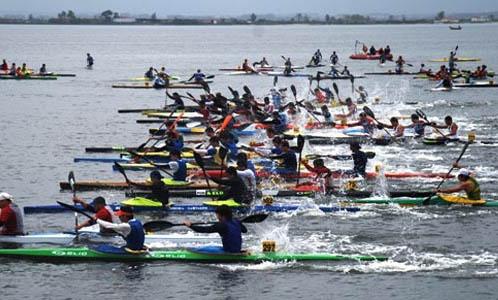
[{"x": 364, "y": 56}]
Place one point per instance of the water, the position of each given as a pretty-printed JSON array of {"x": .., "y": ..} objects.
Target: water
[{"x": 436, "y": 252}]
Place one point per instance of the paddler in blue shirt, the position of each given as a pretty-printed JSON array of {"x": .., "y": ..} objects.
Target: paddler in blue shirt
[
  {"x": 198, "y": 76},
  {"x": 177, "y": 165},
  {"x": 467, "y": 184},
  {"x": 289, "y": 160},
  {"x": 227, "y": 227},
  {"x": 150, "y": 74},
  {"x": 160, "y": 191},
  {"x": 130, "y": 229}
]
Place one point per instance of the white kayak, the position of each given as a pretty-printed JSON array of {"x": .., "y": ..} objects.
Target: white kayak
[
  {"x": 288, "y": 75},
  {"x": 92, "y": 235}
]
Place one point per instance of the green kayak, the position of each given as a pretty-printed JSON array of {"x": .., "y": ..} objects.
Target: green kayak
[{"x": 86, "y": 254}]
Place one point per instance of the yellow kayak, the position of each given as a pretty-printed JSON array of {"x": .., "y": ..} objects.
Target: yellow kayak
[
  {"x": 458, "y": 199},
  {"x": 460, "y": 59}
]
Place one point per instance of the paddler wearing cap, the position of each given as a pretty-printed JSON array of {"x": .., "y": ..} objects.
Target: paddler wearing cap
[
  {"x": 11, "y": 219},
  {"x": 227, "y": 227},
  {"x": 130, "y": 228},
  {"x": 468, "y": 184},
  {"x": 101, "y": 210}
]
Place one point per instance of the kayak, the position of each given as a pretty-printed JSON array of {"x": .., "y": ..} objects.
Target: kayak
[
  {"x": 192, "y": 193},
  {"x": 191, "y": 208},
  {"x": 34, "y": 77},
  {"x": 233, "y": 73},
  {"x": 288, "y": 75},
  {"x": 173, "y": 115},
  {"x": 364, "y": 56},
  {"x": 477, "y": 84},
  {"x": 150, "y": 79},
  {"x": 439, "y": 140},
  {"x": 94, "y": 236},
  {"x": 460, "y": 59},
  {"x": 263, "y": 69},
  {"x": 392, "y": 73},
  {"x": 315, "y": 66},
  {"x": 99, "y": 254},
  {"x": 340, "y": 77},
  {"x": 56, "y": 74},
  {"x": 196, "y": 130},
  {"x": 439, "y": 199},
  {"x": 143, "y": 110},
  {"x": 444, "y": 89},
  {"x": 146, "y": 85}
]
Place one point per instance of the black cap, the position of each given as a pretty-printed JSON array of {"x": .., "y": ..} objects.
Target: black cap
[
  {"x": 98, "y": 200},
  {"x": 156, "y": 174}
]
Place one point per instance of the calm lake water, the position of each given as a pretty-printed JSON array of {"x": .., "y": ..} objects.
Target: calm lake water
[{"x": 436, "y": 252}]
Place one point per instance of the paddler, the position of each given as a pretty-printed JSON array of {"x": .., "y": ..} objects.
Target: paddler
[
  {"x": 247, "y": 67},
  {"x": 227, "y": 227},
  {"x": 150, "y": 74},
  {"x": 363, "y": 95},
  {"x": 158, "y": 82},
  {"x": 236, "y": 188},
  {"x": 372, "y": 50},
  {"x": 177, "y": 165},
  {"x": 198, "y": 76},
  {"x": 163, "y": 74},
  {"x": 320, "y": 96},
  {"x": 262, "y": 63},
  {"x": 319, "y": 168},
  {"x": 417, "y": 125},
  {"x": 288, "y": 67},
  {"x": 247, "y": 175},
  {"x": 400, "y": 62},
  {"x": 178, "y": 101},
  {"x": 160, "y": 191},
  {"x": 101, "y": 210},
  {"x": 130, "y": 229},
  {"x": 13, "y": 69},
  {"x": 5, "y": 66},
  {"x": 43, "y": 70},
  {"x": 327, "y": 116},
  {"x": 352, "y": 109},
  {"x": 366, "y": 122},
  {"x": 451, "y": 62},
  {"x": 334, "y": 59},
  {"x": 288, "y": 157},
  {"x": 25, "y": 71},
  {"x": 89, "y": 60},
  {"x": 468, "y": 184},
  {"x": 448, "y": 124},
  {"x": 345, "y": 71},
  {"x": 229, "y": 142},
  {"x": 11, "y": 219},
  {"x": 395, "y": 126},
  {"x": 360, "y": 160}
]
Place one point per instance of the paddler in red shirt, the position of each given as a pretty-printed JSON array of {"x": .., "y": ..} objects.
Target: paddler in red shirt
[
  {"x": 11, "y": 220},
  {"x": 101, "y": 210}
]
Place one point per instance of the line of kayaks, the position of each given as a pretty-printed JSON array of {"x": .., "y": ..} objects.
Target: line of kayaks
[{"x": 147, "y": 85}]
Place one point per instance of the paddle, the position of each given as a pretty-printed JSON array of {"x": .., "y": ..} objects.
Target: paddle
[
  {"x": 300, "y": 145},
  {"x": 352, "y": 84},
  {"x": 369, "y": 155},
  {"x": 336, "y": 90},
  {"x": 222, "y": 153},
  {"x": 75, "y": 209},
  {"x": 71, "y": 180},
  {"x": 294, "y": 92},
  {"x": 159, "y": 225},
  {"x": 370, "y": 113},
  {"x": 149, "y": 161},
  {"x": 200, "y": 162},
  {"x": 421, "y": 114},
  {"x": 427, "y": 200}
]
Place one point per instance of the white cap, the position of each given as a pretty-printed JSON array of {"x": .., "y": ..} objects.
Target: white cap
[
  {"x": 464, "y": 172},
  {"x": 5, "y": 196}
]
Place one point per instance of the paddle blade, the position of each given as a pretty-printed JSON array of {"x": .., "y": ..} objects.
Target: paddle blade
[
  {"x": 70, "y": 179},
  {"x": 275, "y": 80},
  {"x": 352, "y": 79},
  {"x": 294, "y": 91},
  {"x": 300, "y": 143},
  {"x": 74, "y": 208},
  {"x": 225, "y": 123},
  {"x": 336, "y": 88},
  {"x": 257, "y": 218},
  {"x": 368, "y": 111},
  {"x": 198, "y": 160},
  {"x": 222, "y": 153},
  {"x": 190, "y": 95},
  {"x": 210, "y": 76},
  {"x": 121, "y": 170},
  {"x": 247, "y": 90},
  {"x": 154, "y": 226},
  {"x": 421, "y": 114},
  {"x": 142, "y": 146}
]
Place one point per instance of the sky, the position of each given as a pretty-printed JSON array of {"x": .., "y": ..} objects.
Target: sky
[{"x": 238, "y": 7}]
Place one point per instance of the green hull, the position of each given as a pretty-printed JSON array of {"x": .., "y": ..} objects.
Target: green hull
[
  {"x": 85, "y": 254},
  {"x": 414, "y": 201}
]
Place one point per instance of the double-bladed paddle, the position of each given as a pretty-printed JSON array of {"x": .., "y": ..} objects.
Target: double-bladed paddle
[
  {"x": 421, "y": 114},
  {"x": 159, "y": 225},
  {"x": 200, "y": 162},
  {"x": 428, "y": 199},
  {"x": 370, "y": 113}
]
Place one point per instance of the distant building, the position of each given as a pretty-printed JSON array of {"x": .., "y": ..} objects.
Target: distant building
[
  {"x": 124, "y": 20},
  {"x": 480, "y": 19},
  {"x": 447, "y": 21}
]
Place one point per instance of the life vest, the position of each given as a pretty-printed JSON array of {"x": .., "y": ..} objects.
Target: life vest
[
  {"x": 232, "y": 239},
  {"x": 181, "y": 173},
  {"x": 419, "y": 128},
  {"x": 135, "y": 240},
  {"x": 475, "y": 193}
]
